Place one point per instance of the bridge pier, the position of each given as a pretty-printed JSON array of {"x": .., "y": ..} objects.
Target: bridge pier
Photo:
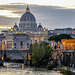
[
  {"x": 68, "y": 58},
  {"x": 59, "y": 60},
  {"x": 72, "y": 60}
]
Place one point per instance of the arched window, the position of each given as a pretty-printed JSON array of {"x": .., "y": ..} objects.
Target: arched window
[
  {"x": 27, "y": 24},
  {"x": 25, "y": 17},
  {"x": 21, "y": 43}
]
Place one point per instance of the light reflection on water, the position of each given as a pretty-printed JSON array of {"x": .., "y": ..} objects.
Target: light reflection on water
[
  {"x": 27, "y": 71},
  {"x": 17, "y": 70}
]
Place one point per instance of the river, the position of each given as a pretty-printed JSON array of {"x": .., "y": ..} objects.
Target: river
[{"x": 17, "y": 70}]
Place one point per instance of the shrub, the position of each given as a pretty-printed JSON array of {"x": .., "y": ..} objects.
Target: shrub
[{"x": 50, "y": 67}]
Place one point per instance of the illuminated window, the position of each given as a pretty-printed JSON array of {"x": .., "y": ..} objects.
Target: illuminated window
[
  {"x": 25, "y": 32},
  {"x": 31, "y": 38},
  {"x": 14, "y": 29},
  {"x": 11, "y": 29},
  {"x": 16, "y": 32},
  {"x": 31, "y": 32},
  {"x": 35, "y": 38},
  {"x": 3, "y": 46},
  {"x": 20, "y": 32},
  {"x": 35, "y": 32},
  {"x": 39, "y": 32},
  {"x": 63, "y": 43},
  {"x": 44, "y": 29}
]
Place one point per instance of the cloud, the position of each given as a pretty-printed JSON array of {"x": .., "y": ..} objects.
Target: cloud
[{"x": 50, "y": 17}]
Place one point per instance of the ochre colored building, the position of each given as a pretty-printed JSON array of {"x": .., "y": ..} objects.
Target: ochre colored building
[{"x": 68, "y": 44}]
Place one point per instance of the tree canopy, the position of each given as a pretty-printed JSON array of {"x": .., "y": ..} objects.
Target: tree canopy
[
  {"x": 59, "y": 37},
  {"x": 41, "y": 54}
]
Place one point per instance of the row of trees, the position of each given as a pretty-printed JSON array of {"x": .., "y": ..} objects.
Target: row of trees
[
  {"x": 59, "y": 37},
  {"x": 41, "y": 54}
]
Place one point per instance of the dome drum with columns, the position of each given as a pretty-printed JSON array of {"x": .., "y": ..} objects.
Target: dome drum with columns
[{"x": 28, "y": 25}]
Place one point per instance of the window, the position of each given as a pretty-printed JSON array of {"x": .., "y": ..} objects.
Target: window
[
  {"x": 27, "y": 18},
  {"x": 27, "y": 44},
  {"x": 14, "y": 44},
  {"x": 31, "y": 32},
  {"x": 24, "y": 25},
  {"x": 21, "y": 25},
  {"x": 14, "y": 37},
  {"x": 35, "y": 41},
  {"x": 21, "y": 44},
  {"x": 27, "y": 47},
  {"x": 27, "y": 37},
  {"x": 9, "y": 44},
  {"x": 31, "y": 41},
  {"x": 27, "y": 24}
]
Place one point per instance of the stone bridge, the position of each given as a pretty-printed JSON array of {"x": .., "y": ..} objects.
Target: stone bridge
[
  {"x": 66, "y": 57},
  {"x": 15, "y": 54}
]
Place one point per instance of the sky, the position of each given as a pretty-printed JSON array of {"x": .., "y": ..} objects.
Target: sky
[{"x": 50, "y": 13}]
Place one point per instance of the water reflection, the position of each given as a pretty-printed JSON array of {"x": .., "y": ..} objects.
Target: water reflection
[{"x": 27, "y": 71}]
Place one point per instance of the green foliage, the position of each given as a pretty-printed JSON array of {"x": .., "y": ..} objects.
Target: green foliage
[
  {"x": 59, "y": 37},
  {"x": 49, "y": 66},
  {"x": 66, "y": 72},
  {"x": 41, "y": 54},
  {"x": 7, "y": 60},
  {"x": 1, "y": 62}
]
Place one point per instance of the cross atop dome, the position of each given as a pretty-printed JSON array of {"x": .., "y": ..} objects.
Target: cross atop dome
[{"x": 27, "y": 9}]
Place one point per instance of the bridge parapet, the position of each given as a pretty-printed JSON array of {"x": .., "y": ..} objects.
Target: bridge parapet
[
  {"x": 68, "y": 51},
  {"x": 14, "y": 51}
]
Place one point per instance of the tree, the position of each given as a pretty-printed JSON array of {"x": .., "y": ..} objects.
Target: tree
[
  {"x": 41, "y": 54},
  {"x": 59, "y": 37}
]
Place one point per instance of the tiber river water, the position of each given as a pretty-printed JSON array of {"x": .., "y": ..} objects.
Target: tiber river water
[{"x": 17, "y": 70}]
